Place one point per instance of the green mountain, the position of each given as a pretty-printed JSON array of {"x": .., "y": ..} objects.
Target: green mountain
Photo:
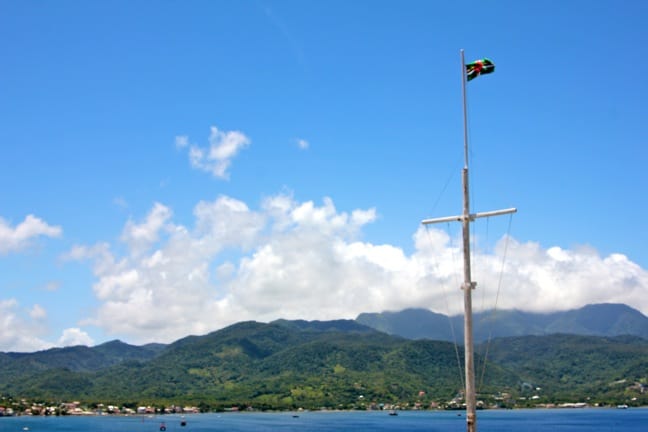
[
  {"x": 290, "y": 365},
  {"x": 336, "y": 364},
  {"x": 333, "y": 325},
  {"x": 412, "y": 324},
  {"x": 595, "y": 320},
  {"x": 65, "y": 372},
  {"x": 286, "y": 364},
  {"x": 572, "y": 367},
  {"x": 81, "y": 358}
]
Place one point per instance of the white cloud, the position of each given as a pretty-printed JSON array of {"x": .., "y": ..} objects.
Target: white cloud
[
  {"x": 73, "y": 337},
  {"x": 100, "y": 254},
  {"x": 557, "y": 278},
  {"x": 20, "y": 332},
  {"x": 302, "y": 260},
  {"x": 168, "y": 291},
  {"x": 20, "y": 237},
  {"x": 217, "y": 158},
  {"x": 141, "y": 236},
  {"x": 37, "y": 312},
  {"x": 182, "y": 141},
  {"x": 52, "y": 286},
  {"x": 302, "y": 144}
]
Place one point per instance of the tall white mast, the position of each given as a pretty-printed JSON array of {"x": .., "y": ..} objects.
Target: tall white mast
[{"x": 468, "y": 285}]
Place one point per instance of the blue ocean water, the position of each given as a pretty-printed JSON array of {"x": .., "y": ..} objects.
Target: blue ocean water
[{"x": 565, "y": 420}]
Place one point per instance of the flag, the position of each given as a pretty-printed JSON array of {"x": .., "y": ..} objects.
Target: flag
[{"x": 479, "y": 67}]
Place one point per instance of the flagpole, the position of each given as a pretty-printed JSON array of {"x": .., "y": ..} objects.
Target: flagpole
[
  {"x": 468, "y": 285},
  {"x": 465, "y": 109}
]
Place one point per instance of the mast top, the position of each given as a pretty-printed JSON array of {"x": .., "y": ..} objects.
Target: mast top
[
  {"x": 476, "y": 68},
  {"x": 465, "y": 110}
]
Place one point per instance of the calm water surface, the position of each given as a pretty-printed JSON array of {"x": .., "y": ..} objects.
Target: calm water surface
[{"x": 571, "y": 420}]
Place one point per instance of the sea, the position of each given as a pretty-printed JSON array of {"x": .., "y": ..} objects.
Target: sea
[{"x": 562, "y": 420}]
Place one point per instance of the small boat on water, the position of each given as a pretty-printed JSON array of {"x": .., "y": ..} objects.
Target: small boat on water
[{"x": 393, "y": 413}]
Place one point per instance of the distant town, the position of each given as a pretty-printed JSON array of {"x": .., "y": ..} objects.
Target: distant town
[
  {"x": 25, "y": 407},
  {"x": 30, "y": 408}
]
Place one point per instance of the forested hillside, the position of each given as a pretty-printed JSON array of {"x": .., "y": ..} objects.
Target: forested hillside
[{"x": 338, "y": 364}]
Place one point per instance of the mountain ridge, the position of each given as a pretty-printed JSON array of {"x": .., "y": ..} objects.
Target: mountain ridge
[
  {"x": 603, "y": 319},
  {"x": 337, "y": 364}
]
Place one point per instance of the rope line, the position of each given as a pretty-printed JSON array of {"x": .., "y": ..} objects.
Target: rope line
[
  {"x": 442, "y": 192},
  {"x": 454, "y": 335},
  {"x": 487, "y": 243},
  {"x": 447, "y": 305},
  {"x": 497, "y": 295}
]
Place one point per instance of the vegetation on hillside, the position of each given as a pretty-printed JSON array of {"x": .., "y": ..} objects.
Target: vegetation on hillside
[{"x": 297, "y": 364}]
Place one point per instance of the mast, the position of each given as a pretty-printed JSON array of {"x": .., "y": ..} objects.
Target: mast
[{"x": 468, "y": 285}]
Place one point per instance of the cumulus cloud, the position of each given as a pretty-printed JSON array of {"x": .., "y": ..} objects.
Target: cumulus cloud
[
  {"x": 142, "y": 236},
  {"x": 302, "y": 260},
  {"x": 557, "y": 278},
  {"x": 23, "y": 330},
  {"x": 217, "y": 157},
  {"x": 73, "y": 337},
  {"x": 19, "y": 331},
  {"x": 17, "y": 238},
  {"x": 37, "y": 312}
]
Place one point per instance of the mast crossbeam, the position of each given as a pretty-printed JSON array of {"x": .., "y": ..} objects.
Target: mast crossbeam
[
  {"x": 471, "y": 217},
  {"x": 465, "y": 218}
]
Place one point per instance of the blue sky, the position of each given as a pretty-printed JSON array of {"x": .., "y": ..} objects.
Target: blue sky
[{"x": 169, "y": 168}]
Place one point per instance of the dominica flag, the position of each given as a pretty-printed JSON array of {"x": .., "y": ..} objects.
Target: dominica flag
[{"x": 479, "y": 67}]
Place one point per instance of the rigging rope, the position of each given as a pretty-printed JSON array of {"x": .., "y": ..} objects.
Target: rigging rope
[
  {"x": 447, "y": 305},
  {"x": 485, "y": 285},
  {"x": 452, "y": 174},
  {"x": 450, "y": 177},
  {"x": 487, "y": 243},
  {"x": 454, "y": 335},
  {"x": 499, "y": 287}
]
